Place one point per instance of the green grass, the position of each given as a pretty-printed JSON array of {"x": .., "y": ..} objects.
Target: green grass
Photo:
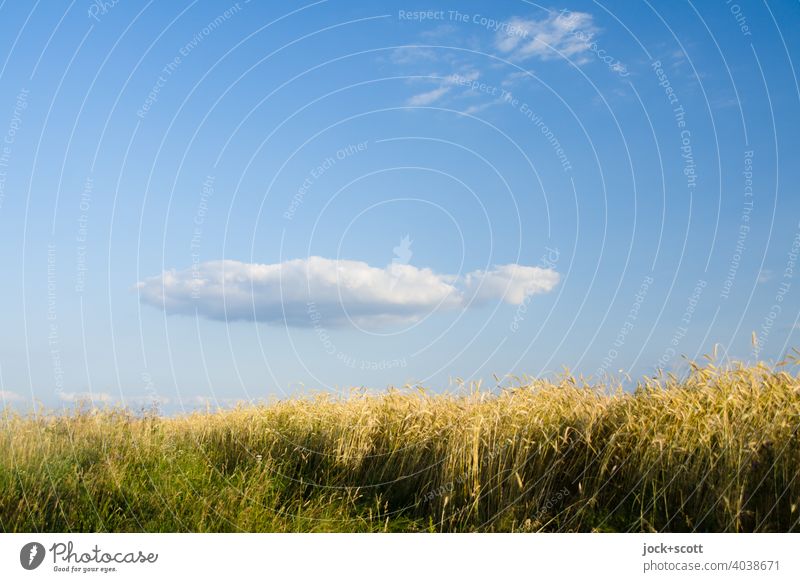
[{"x": 718, "y": 451}]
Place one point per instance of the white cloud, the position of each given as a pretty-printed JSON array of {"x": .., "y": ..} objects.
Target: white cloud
[
  {"x": 473, "y": 109},
  {"x": 765, "y": 275},
  {"x": 513, "y": 78},
  {"x": 478, "y": 107},
  {"x": 302, "y": 292},
  {"x": 412, "y": 55},
  {"x": 422, "y": 99},
  {"x": 568, "y": 33},
  {"x": 84, "y": 397},
  {"x": 462, "y": 79},
  {"x": 510, "y": 283},
  {"x": 214, "y": 402},
  {"x": 8, "y": 396},
  {"x": 619, "y": 68},
  {"x": 146, "y": 401}
]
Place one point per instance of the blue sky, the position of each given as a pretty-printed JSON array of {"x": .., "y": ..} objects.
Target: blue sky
[{"x": 210, "y": 202}]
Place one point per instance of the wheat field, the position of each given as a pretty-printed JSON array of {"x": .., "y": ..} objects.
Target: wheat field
[{"x": 715, "y": 451}]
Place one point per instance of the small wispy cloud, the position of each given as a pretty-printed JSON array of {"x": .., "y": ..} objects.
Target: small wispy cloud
[
  {"x": 619, "y": 68},
  {"x": 9, "y": 396},
  {"x": 300, "y": 292},
  {"x": 84, "y": 397},
  {"x": 214, "y": 402},
  {"x": 412, "y": 55},
  {"x": 147, "y": 401},
  {"x": 481, "y": 106},
  {"x": 477, "y": 108},
  {"x": 445, "y": 84},
  {"x": 428, "y": 97},
  {"x": 514, "y": 78},
  {"x": 564, "y": 33}
]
